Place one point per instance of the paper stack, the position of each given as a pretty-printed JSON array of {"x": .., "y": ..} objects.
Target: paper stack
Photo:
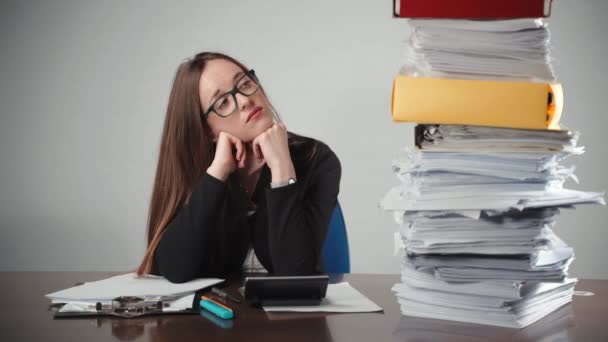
[
  {"x": 480, "y": 192},
  {"x": 515, "y": 50}
]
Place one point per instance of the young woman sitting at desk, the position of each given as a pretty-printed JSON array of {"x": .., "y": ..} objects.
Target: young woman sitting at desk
[{"x": 231, "y": 180}]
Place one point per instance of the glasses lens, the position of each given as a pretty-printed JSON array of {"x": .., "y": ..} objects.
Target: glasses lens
[
  {"x": 225, "y": 105},
  {"x": 247, "y": 86}
]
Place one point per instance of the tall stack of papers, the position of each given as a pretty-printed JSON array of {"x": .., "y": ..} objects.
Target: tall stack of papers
[{"x": 481, "y": 190}]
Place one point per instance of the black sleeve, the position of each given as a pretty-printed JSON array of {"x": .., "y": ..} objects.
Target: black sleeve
[
  {"x": 188, "y": 238},
  {"x": 299, "y": 215}
]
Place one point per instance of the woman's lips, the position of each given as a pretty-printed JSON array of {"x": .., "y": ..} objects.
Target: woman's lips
[{"x": 254, "y": 114}]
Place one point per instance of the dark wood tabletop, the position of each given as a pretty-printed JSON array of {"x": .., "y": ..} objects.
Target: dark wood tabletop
[{"x": 26, "y": 315}]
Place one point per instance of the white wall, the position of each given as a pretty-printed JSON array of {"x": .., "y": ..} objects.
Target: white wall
[{"x": 84, "y": 87}]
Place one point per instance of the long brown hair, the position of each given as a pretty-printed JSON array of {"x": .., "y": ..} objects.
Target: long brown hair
[{"x": 186, "y": 150}]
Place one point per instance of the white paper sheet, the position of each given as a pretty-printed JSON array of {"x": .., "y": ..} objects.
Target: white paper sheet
[{"x": 129, "y": 285}]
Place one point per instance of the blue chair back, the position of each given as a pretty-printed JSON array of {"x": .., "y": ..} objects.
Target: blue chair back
[{"x": 336, "y": 258}]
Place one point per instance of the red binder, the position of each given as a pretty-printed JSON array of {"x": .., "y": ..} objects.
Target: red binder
[{"x": 471, "y": 9}]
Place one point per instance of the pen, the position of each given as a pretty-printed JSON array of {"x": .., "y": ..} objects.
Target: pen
[
  {"x": 224, "y": 294},
  {"x": 216, "y": 308}
]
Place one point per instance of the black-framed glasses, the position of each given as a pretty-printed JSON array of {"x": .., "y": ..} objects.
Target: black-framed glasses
[{"x": 226, "y": 104}]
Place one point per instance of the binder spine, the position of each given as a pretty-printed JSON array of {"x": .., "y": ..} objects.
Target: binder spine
[
  {"x": 547, "y": 9},
  {"x": 471, "y": 9},
  {"x": 396, "y": 8},
  {"x": 448, "y": 101}
]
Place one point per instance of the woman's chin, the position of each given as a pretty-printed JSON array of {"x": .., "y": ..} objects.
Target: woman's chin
[{"x": 255, "y": 129}]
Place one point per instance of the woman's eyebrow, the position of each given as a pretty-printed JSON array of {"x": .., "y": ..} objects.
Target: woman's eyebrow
[{"x": 217, "y": 91}]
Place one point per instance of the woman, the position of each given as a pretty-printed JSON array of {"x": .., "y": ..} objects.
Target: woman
[{"x": 230, "y": 178}]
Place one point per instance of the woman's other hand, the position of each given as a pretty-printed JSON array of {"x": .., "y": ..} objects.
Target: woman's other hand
[
  {"x": 229, "y": 154},
  {"x": 272, "y": 146}
]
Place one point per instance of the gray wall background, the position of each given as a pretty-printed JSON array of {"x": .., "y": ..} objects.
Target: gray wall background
[{"x": 84, "y": 87}]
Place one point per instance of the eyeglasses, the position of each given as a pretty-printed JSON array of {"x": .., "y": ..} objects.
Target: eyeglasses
[{"x": 226, "y": 104}]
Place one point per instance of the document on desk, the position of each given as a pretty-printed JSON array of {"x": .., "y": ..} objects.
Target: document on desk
[
  {"x": 340, "y": 297},
  {"x": 130, "y": 285}
]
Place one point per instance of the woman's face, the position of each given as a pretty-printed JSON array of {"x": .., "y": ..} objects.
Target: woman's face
[{"x": 219, "y": 77}]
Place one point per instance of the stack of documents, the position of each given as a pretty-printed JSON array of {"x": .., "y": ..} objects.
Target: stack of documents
[
  {"x": 428, "y": 232},
  {"x": 476, "y": 207},
  {"x": 460, "y": 138},
  {"x": 516, "y": 50},
  {"x": 474, "y": 168},
  {"x": 554, "y": 327},
  {"x": 537, "y": 302},
  {"x": 479, "y": 194},
  {"x": 543, "y": 265}
]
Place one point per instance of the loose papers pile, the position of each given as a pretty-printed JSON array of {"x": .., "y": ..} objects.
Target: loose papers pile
[{"x": 476, "y": 49}]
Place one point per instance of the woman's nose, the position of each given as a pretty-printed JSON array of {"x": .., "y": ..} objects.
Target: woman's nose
[{"x": 243, "y": 101}]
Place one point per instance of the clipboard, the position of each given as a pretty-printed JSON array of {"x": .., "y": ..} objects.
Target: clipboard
[
  {"x": 129, "y": 307},
  {"x": 123, "y": 307}
]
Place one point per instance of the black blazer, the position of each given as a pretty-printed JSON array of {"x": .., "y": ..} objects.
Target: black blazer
[{"x": 211, "y": 235}]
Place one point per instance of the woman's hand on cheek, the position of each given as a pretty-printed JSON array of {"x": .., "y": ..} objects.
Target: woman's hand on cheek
[
  {"x": 225, "y": 160},
  {"x": 273, "y": 148}
]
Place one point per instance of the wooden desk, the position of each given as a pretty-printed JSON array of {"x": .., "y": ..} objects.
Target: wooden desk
[{"x": 25, "y": 316}]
